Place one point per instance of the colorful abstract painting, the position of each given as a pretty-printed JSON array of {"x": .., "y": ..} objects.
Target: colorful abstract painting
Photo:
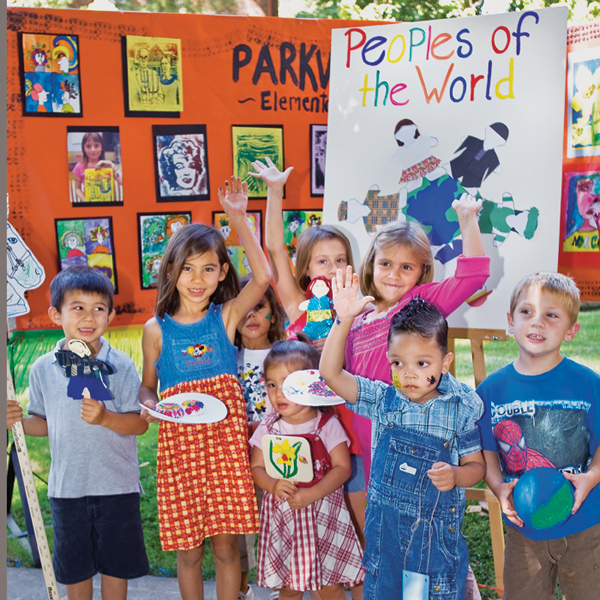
[
  {"x": 252, "y": 143},
  {"x": 181, "y": 162},
  {"x": 152, "y": 68},
  {"x": 234, "y": 243},
  {"x": 294, "y": 223},
  {"x": 50, "y": 75},
  {"x": 154, "y": 232},
  {"x": 582, "y": 212},
  {"x": 87, "y": 242}
]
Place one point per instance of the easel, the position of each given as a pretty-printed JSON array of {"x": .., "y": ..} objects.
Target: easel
[
  {"x": 32, "y": 498},
  {"x": 477, "y": 337}
]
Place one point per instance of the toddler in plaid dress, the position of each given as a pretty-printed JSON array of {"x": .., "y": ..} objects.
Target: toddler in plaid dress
[
  {"x": 307, "y": 540},
  {"x": 204, "y": 485}
]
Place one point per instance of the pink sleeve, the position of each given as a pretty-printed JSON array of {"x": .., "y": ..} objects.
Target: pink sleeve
[
  {"x": 470, "y": 275},
  {"x": 257, "y": 436},
  {"x": 79, "y": 171},
  {"x": 333, "y": 434}
]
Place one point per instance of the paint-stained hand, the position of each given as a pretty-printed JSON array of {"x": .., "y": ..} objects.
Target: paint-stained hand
[
  {"x": 269, "y": 173},
  {"x": 442, "y": 475},
  {"x": 14, "y": 413},
  {"x": 92, "y": 411}
]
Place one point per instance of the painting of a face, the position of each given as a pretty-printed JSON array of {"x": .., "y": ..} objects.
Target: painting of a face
[{"x": 185, "y": 175}]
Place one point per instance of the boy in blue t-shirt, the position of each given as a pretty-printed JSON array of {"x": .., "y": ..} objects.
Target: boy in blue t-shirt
[
  {"x": 83, "y": 396},
  {"x": 543, "y": 410}
]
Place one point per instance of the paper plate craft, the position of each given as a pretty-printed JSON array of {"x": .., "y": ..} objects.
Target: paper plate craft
[
  {"x": 543, "y": 498},
  {"x": 309, "y": 389},
  {"x": 84, "y": 372},
  {"x": 287, "y": 457},
  {"x": 190, "y": 407}
]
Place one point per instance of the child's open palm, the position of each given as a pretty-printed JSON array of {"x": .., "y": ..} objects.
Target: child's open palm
[
  {"x": 345, "y": 294},
  {"x": 235, "y": 198},
  {"x": 269, "y": 173},
  {"x": 467, "y": 204}
]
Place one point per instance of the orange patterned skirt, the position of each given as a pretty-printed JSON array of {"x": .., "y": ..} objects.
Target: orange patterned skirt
[{"x": 203, "y": 482}]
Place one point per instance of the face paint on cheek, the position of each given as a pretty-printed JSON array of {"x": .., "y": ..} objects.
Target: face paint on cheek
[
  {"x": 431, "y": 380},
  {"x": 396, "y": 381},
  {"x": 268, "y": 316}
]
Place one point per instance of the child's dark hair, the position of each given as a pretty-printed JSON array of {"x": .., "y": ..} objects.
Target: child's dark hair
[
  {"x": 422, "y": 318},
  {"x": 296, "y": 354},
  {"x": 80, "y": 279},
  {"x": 277, "y": 330},
  {"x": 187, "y": 241}
]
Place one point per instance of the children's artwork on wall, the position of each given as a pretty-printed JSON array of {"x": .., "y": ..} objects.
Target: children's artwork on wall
[
  {"x": 410, "y": 132},
  {"x": 583, "y": 83},
  {"x": 318, "y": 150},
  {"x": 95, "y": 170},
  {"x": 581, "y": 205},
  {"x": 87, "y": 242},
  {"x": 294, "y": 223},
  {"x": 23, "y": 272},
  {"x": 232, "y": 240},
  {"x": 154, "y": 232},
  {"x": 152, "y": 76},
  {"x": 180, "y": 162},
  {"x": 50, "y": 84},
  {"x": 252, "y": 143}
]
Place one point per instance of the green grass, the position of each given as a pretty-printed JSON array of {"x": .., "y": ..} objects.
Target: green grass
[{"x": 585, "y": 348}]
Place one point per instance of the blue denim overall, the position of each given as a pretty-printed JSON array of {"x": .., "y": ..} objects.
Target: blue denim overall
[{"x": 410, "y": 524}]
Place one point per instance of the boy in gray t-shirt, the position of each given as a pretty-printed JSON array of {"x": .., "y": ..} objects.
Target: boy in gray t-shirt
[{"x": 84, "y": 398}]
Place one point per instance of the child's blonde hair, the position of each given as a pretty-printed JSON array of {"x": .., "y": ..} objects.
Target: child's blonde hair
[
  {"x": 191, "y": 240},
  {"x": 306, "y": 242},
  {"x": 406, "y": 233},
  {"x": 560, "y": 286}
]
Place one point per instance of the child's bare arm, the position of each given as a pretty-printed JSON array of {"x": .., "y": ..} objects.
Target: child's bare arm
[
  {"x": 33, "y": 425},
  {"x": 502, "y": 490},
  {"x": 151, "y": 347},
  {"x": 347, "y": 306},
  {"x": 470, "y": 470},
  {"x": 235, "y": 203},
  {"x": 335, "y": 478},
  {"x": 282, "y": 489},
  {"x": 584, "y": 483},
  {"x": 467, "y": 209},
  {"x": 287, "y": 288}
]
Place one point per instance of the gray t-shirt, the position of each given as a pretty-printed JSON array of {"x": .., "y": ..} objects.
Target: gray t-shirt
[{"x": 87, "y": 460}]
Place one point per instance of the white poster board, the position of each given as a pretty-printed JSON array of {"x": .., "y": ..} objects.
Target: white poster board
[{"x": 487, "y": 96}]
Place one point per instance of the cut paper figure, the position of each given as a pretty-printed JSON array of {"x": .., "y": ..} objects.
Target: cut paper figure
[
  {"x": 23, "y": 272},
  {"x": 477, "y": 158},
  {"x": 514, "y": 454},
  {"x": 84, "y": 372},
  {"x": 319, "y": 308}
]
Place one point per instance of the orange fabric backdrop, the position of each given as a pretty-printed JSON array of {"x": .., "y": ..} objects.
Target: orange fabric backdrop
[{"x": 37, "y": 146}]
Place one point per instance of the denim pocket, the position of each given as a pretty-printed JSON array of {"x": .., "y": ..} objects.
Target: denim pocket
[
  {"x": 198, "y": 358},
  {"x": 406, "y": 465}
]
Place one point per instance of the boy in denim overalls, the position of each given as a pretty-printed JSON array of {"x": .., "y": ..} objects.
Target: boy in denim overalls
[{"x": 426, "y": 447}]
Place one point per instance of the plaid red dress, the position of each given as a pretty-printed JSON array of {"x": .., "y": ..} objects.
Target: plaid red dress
[{"x": 308, "y": 548}]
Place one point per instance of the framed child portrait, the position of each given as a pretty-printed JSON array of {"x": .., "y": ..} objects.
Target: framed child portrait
[
  {"x": 50, "y": 83},
  {"x": 154, "y": 232},
  {"x": 152, "y": 76},
  {"x": 180, "y": 162},
  {"x": 318, "y": 149},
  {"x": 87, "y": 242},
  {"x": 95, "y": 171},
  {"x": 232, "y": 240},
  {"x": 252, "y": 143}
]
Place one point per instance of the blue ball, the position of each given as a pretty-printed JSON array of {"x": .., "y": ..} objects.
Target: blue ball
[{"x": 543, "y": 498}]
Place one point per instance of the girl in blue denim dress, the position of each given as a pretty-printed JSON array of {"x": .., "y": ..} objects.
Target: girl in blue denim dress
[
  {"x": 204, "y": 485},
  {"x": 426, "y": 448}
]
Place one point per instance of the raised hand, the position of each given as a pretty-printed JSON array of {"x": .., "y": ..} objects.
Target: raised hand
[
  {"x": 345, "y": 289},
  {"x": 269, "y": 173},
  {"x": 235, "y": 198},
  {"x": 467, "y": 205}
]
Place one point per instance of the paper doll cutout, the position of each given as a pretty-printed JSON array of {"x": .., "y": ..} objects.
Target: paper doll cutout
[
  {"x": 288, "y": 457},
  {"x": 23, "y": 272},
  {"x": 84, "y": 372},
  {"x": 319, "y": 308}
]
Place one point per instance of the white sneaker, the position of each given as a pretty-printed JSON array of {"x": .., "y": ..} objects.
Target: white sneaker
[{"x": 249, "y": 595}]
